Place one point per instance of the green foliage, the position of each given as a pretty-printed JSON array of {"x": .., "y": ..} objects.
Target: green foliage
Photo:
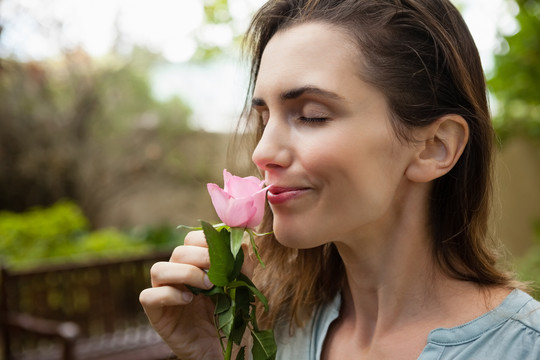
[
  {"x": 217, "y": 11},
  {"x": 160, "y": 236},
  {"x": 516, "y": 79},
  {"x": 44, "y": 115},
  {"x": 126, "y": 99},
  {"x": 218, "y": 19},
  {"x": 234, "y": 294},
  {"x": 61, "y": 233},
  {"x": 40, "y": 233},
  {"x": 221, "y": 258},
  {"x": 528, "y": 266},
  {"x": 63, "y": 120}
]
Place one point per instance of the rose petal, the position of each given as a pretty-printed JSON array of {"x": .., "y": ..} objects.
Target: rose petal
[
  {"x": 227, "y": 176},
  {"x": 240, "y": 212},
  {"x": 259, "y": 200},
  {"x": 243, "y": 187},
  {"x": 241, "y": 201},
  {"x": 220, "y": 200}
]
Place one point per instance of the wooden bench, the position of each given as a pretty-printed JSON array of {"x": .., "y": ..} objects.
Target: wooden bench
[{"x": 79, "y": 311}]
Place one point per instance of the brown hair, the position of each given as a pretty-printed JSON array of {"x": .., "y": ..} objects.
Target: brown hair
[{"x": 421, "y": 56}]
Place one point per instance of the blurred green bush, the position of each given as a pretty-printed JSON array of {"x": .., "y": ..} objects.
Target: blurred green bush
[
  {"x": 528, "y": 266},
  {"x": 61, "y": 233},
  {"x": 515, "y": 81}
]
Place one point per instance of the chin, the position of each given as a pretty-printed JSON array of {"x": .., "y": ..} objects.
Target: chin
[{"x": 295, "y": 240}]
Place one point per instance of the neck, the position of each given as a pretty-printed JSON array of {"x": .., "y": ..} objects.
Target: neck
[
  {"x": 393, "y": 280},
  {"x": 391, "y": 272}
]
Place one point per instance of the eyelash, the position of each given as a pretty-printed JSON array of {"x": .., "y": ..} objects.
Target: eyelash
[
  {"x": 304, "y": 119},
  {"x": 313, "y": 120}
]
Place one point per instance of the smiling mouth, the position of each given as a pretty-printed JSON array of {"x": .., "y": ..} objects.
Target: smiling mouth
[{"x": 279, "y": 195}]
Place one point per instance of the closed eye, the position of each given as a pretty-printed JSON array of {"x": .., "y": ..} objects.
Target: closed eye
[{"x": 313, "y": 119}]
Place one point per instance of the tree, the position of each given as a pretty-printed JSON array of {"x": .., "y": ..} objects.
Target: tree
[
  {"x": 516, "y": 78},
  {"x": 62, "y": 117}
]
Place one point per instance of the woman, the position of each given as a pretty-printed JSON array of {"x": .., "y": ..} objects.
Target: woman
[{"x": 375, "y": 136}]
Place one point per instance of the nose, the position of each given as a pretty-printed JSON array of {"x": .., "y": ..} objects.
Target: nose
[{"x": 273, "y": 151}]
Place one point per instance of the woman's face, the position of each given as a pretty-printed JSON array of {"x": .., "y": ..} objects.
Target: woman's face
[{"x": 328, "y": 148}]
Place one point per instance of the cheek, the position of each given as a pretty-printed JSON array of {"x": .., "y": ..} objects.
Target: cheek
[
  {"x": 327, "y": 154},
  {"x": 358, "y": 175},
  {"x": 338, "y": 163}
]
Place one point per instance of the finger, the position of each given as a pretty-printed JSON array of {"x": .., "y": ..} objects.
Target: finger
[
  {"x": 195, "y": 238},
  {"x": 173, "y": 274},
  {"x": 164, "y": 296},
  {"x": 155, "y": 300},
  {"x": 193, "y": 255}
]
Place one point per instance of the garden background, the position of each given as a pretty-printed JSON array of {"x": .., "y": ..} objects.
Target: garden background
[{"x": 95, "y": 162}]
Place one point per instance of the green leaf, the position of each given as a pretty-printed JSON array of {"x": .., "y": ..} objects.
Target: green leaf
[
  {"x": 213, "y": 291},
  {"x": 238, "y": 329},
  {"x": 236, "y": 240},
  {"x": 243, "y": 301},
  {"x": 264, "y": 345},
  {"x": 225, "y": 321},
  {"x": 243, "y": 305},
  {"x": 241, "y": 353},
  {"x": 253, "y": 318},
  {"x": 221, "y": 258},
  {"x": 218, "y": 227},
  {"x": 223, "y": 304},
  {"x": 238, "y": 262},
  {"x": 189, "y": 227},
  {"x": 254, "y": 246},
  {"x": 244, "y": 281},
  {"x": 261, "y": 234},
  {"x": 221, "y": 226}
]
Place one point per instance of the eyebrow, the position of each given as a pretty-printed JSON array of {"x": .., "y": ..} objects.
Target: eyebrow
[{"x": 298, "y": 92}]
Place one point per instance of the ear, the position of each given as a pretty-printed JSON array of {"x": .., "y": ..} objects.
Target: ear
[{"x": 440, "y": 146}]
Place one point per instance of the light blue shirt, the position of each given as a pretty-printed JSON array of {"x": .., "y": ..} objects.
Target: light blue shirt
[{"x": 510, "y": 331}]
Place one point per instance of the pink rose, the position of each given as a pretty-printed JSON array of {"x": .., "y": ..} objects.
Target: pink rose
[{"x": 241, "y": 202}]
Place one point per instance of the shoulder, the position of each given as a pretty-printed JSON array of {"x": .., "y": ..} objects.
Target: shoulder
[
  {"x": 528, "y": 316},
  {"x": 511, "y": 331},
  {"x": 520, "y": 334}
]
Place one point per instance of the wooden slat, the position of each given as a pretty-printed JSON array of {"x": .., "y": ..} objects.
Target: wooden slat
[{"x": 101, "y": 297}]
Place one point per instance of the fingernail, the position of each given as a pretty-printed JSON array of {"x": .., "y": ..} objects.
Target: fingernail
[
  {"x": 187, "y": 296},
  {"x": 207, "y": 282}
]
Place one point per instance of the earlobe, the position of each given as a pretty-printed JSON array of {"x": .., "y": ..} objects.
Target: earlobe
[{"x": 440, "y": 147}]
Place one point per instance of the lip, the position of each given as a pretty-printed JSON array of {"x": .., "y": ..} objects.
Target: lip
[{"x": 281, "y": 194}]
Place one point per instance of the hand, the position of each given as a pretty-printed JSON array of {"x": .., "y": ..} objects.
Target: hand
[{"x": 185, "y": 322}]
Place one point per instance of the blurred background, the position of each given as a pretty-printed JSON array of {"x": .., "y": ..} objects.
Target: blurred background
[{"x": 114, "y": 114}]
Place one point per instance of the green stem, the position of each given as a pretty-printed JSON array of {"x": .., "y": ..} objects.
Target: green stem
[{"x": 228, "y": 351}]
